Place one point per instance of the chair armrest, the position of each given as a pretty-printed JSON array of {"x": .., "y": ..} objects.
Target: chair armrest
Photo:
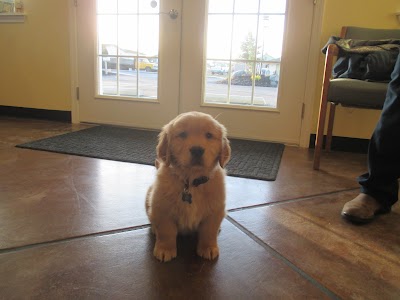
[
  {"x": 331, "y": 53},
  {"x": 333, "y": 50}
]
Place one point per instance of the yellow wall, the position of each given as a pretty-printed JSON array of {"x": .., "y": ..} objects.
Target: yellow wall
[
  {"x": 363, "y": 13},
  {"x": 35, "y": 65},
  {"x": 34, "y": 58}
]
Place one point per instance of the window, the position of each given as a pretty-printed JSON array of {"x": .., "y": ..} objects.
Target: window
[
  {"x": 7, "y": 6},
  {"x": 127, "y": 61},
  {"x": 244, "y": 47}
]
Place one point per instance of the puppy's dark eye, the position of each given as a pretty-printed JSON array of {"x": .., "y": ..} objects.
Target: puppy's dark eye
[
  {"x": 209, "y": 135},
  {"x": 183, "y": 135}
]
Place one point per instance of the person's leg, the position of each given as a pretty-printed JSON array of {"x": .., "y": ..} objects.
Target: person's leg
[
  {"x": 384, "y": 149},
  {"x": 381, "y": 181}
]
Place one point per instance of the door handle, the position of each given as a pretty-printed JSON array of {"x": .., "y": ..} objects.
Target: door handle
[{"x": 173, "y": 13}]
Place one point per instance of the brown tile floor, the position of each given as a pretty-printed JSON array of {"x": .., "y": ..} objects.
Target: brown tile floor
[{"x": 75, "y": 227}]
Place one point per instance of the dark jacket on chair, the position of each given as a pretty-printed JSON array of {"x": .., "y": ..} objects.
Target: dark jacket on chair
[{"x": 371, "y": 60}]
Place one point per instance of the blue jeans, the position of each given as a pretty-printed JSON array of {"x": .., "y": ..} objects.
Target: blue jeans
[{"x": 381, "y": 181}]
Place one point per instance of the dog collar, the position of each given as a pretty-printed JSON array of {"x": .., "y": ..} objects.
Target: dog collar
[
  {"x": 199, "y": 180},
  {"x": 186, "y": 195}
]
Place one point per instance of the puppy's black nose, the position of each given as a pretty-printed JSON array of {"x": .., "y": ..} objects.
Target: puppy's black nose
[{"x": 197, "y": 151}]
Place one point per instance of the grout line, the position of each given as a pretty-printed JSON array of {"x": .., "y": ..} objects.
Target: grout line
[
  {"x": 80, "y": 237},
  {"x": 280, "y": 257},
  {"x": 133, "y": 228},
  {"x": 287, "y": 201}
]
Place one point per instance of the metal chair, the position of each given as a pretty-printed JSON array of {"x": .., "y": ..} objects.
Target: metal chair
[{"x": 345, "y": 91}]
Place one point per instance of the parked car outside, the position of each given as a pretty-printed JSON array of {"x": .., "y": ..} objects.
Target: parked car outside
[
  {"x": 154, "y": 61},
  {"x": 219, "y": 70},
  {"x": 244, "y": 77},
  {"x": 274, "y": 80},
  {"x": 126, "y": 62},
  {"x": 127, "y": 59},
  {"x": 241, "y": 77},
  {"x": 145, "y": 64},
  {"x": 265, "y": 71}
]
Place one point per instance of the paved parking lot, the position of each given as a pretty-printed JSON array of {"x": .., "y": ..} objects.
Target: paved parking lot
[{"x": 216, "y": 92}]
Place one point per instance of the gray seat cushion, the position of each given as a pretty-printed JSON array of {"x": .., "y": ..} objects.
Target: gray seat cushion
[
  {"x": 357, "y": 93},
  {"x": 361, "y": 33}
]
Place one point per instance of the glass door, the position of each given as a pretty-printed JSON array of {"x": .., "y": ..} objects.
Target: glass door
[
  {"x": 128, "y": 61},
  {"x": 246, "y": 62},
  {"x": 142, "y": 62}
]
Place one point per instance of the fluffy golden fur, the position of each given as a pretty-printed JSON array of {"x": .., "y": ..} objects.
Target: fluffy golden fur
[{"x": 192, "y": 146}]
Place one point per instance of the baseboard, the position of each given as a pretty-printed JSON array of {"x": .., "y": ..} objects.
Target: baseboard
[
  {"x": 45, "y": 114},
  {"x": 346, "y": 144}
]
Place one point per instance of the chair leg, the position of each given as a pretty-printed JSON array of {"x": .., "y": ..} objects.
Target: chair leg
[
  {"x": 328, "y": 143},
  {"x": 332, "y": 51},
  {"x": 320, "y": 132}
]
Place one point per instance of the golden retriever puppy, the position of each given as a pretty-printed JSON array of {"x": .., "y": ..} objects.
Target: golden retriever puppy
[{"x": 188, "y": 194}]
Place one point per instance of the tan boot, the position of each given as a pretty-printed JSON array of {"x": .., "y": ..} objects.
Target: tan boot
[{"x": 362, "y": 209}]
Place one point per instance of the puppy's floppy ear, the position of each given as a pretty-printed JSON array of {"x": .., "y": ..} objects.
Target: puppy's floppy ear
[
  {"x": 163, "y": 145},
  {"x": 225, "y": 152}
]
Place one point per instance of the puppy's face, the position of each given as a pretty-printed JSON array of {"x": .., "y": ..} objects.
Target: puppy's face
[{"x": 194, "y": 140}]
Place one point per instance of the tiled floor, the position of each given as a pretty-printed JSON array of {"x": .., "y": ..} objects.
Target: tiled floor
[{"x": 75, "y": 227}]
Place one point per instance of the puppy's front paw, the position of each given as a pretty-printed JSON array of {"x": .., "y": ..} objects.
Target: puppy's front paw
[
  {"x": 164, "y": 254},
  {"x": 208, "y": 252}
]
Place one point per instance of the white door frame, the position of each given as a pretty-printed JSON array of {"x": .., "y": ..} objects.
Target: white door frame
[
  {"x": 312, "y": 72},
  {"x": 73, "y": 58},
  {"x": 311, "y": 79}
]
